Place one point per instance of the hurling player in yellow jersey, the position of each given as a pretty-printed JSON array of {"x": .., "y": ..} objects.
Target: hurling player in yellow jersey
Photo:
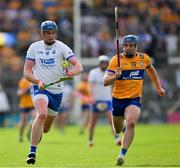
[{"x": 127, "y": 91}]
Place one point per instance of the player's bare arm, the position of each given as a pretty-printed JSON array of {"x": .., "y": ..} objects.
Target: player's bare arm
[
  {"x": 77, "y": 67},
  {"x": 29, "y": 64},
  {"x": 155, "y": 79},
  {"x": 110, "y": 77}
]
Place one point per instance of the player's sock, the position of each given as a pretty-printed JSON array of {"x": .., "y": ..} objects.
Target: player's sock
[
  {"x": 33, "y": 149},
  {"x": 123, "y": 152}
]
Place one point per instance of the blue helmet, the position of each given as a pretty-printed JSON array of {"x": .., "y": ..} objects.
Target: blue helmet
[
  {"x": 130, "y": 39},
  {"x": 49, "y": 25}
]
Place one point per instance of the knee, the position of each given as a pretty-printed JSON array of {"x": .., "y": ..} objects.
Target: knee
[
  {"x": 131, "y": 123},
  {"x": 42, "y": 117}
]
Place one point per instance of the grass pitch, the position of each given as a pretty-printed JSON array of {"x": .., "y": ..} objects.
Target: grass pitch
[{"x": 153, "y": 146}]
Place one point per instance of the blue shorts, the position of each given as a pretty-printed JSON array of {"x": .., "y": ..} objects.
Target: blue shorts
[
  {"x": 119, "y": 105},
  {"x": 102, "y": 106},
  {"x": 54, "y": 100},
  {"x": 85, "y": 107},
  {"x": 26, "y": 110}
]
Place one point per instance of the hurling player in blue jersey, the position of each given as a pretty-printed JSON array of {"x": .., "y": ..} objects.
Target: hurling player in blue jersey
[{"x": 44, "y": 64}]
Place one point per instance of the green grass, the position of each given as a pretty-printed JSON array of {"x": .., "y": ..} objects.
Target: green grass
[{"x": 153, "y": 146}]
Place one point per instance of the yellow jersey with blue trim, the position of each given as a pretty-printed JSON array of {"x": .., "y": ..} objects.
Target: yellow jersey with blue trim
[
  {"x": 84, "y": 89},
  {"x": 129, "y": 84}
]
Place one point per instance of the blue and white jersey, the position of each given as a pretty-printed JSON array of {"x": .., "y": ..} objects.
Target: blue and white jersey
[
  {"x": 48, "y": 62},
  {"x": 99, "y": 91}
]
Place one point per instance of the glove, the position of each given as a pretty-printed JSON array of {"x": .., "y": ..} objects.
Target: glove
[{"x": 41, "y": 85}]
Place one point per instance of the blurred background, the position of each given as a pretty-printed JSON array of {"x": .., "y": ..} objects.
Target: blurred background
[{"x": 88, "y": 27}]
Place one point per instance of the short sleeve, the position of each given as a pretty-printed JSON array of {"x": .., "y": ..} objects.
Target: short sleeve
[
  {"x": 67, "y": 52},
  {"x": 148, "y": 61},
  {"x": 30, "y": 53},
  {"x": 112, "y": 65}
]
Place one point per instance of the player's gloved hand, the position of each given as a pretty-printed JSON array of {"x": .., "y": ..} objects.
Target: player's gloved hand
[
  {"x": 41, "y": 85},
  {"x": 118, "y": 72}
]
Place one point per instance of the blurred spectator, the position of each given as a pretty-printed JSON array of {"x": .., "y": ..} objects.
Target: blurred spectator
[
  {"x": 177, "y": 75},
  {"x": 172, "y": 42},
  {"x": 147, "y": 19},
  {"x": 11, "y": 67}
]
